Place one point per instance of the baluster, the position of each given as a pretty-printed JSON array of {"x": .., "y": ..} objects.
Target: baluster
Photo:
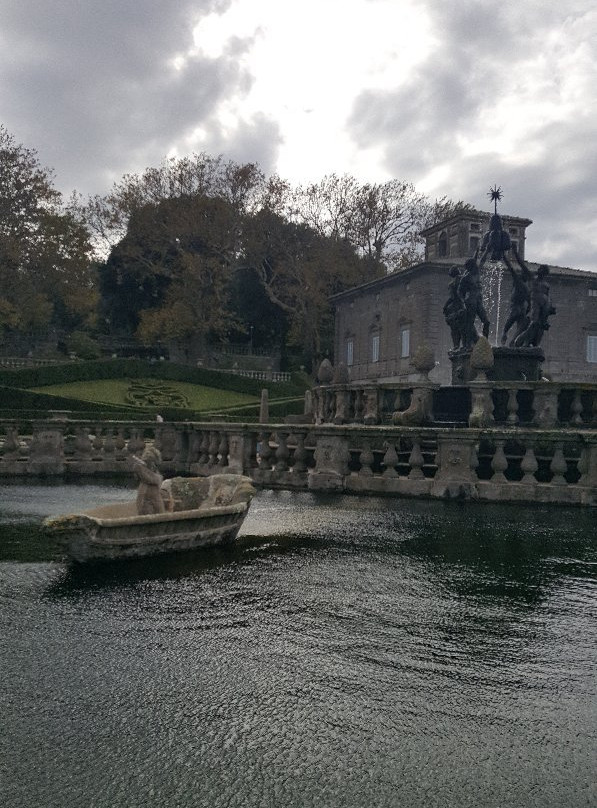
[
  {"x": 83, "y": 445},
  {"x": 576, "y": 409},
  {"x": 366, "y": 460},
  {"x": 98, "y": 441},
  {"x": 512, "y": 407},
  {"x": 300, "y": 454},
  {"x": 529, "y": 466},
  {"x": 474, "y": 459},
  {"x": 213, "y": 449},
  {"x": 265, "y": 451},
  {"x": 194, "y": 446},
  {"x": 223, "y": 450},
  {"x": 250, "y": 453},
  {"x": 359, "y": 406},
  {"x": 558, "y": 466},
  {"x": 204, "y": 449},
  {"x": 136, "y": 443},
  {"x": 390, "y": 460},
  {"x": 12, "y": 443},
  {"x": 109, "y": 443},
  {"x": 499, "y": 463},
  {"x": 282, "y": 453},
  {"x": 371, "y": 415},
  {"x": 593, "y": 409},
  {"x": 120, "y": 444},
  {"x": 584, "y": 465},
  {"x": 415, "y": 461},
  {"x": 342, "y": 406}
]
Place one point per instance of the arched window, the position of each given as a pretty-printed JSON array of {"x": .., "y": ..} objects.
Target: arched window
[{"x": 442, "y": 244}]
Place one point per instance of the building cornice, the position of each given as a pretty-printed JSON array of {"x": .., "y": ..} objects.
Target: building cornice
[
  {"x": 474, "y": 215},
  {"x": 440, "y": 266}
]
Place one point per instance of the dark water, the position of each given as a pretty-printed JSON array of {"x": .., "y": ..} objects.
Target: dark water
[{"x": 348, "y": 652}]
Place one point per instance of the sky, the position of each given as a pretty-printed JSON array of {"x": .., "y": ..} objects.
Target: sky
[{"x": 454, "y": 96}]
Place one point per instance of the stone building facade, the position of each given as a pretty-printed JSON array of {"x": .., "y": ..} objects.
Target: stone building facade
[{"x": 380, "y": 324}]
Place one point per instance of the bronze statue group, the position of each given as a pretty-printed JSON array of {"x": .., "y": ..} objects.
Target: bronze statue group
[{"x": 530, "y": 301}]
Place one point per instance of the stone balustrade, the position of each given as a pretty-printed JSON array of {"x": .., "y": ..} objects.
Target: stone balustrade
[
  {"x": 496, "y": 463},
  {"x": 480, "y": 404}
]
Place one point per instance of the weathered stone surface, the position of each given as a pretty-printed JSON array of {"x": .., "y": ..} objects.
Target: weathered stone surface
[
  {"x": 423, "y": 359},
  {"x": 341, "y": 374},
  {"x": 455, "y": 478},
  {"x": 516, "y": 364},
  {"x": 482, "y": 356},
  {"x": 420, "y": 410},
  {"x": 482, "y": 406},
  {"x": 46, "y": 451},
  {"x": 331, "y": 463},
  {"x": 325, "y": 374}
]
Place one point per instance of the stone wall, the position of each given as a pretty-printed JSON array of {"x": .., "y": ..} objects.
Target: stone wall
[
  {"x": 414, "y": 298},
  {"x": 492, "y": 464}
]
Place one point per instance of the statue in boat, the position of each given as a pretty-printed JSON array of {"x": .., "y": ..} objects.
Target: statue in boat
[{"x": 181, "y": 513}]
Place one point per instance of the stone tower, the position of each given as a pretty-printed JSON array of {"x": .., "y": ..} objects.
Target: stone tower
[{"x": 460, "y": 235}]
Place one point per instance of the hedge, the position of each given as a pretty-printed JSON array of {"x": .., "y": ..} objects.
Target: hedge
[
  {"x": 15, "y": 403},
  {"x": 139, "y": 369}
]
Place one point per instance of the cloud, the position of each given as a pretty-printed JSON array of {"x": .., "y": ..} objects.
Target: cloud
[
  {"x": 104, "y": 88},
  {"x": 506, "y": 95},
  {"x": 451, "y": 96}
]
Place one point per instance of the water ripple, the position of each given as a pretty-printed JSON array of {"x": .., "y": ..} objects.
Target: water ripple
[{"x": 348, "y": 652}]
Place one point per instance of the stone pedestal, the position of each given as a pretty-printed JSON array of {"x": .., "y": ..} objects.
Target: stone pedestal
[
  {"x": 462, "y": 373},
  {"x": 516, "y": 364},
  {"x": 509, "y": 364},
  {"x": 46, "y": 452},
  {"x": 331, "y": 464},
  {"x": 456, "y": 476}
]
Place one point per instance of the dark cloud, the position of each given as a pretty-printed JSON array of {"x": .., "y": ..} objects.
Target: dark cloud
[
  {"x": 92, "y": 86},
  {"x": 482, "y": 52}
]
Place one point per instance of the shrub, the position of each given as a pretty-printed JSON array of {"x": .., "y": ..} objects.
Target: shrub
[
  {"x": 139, "y": 369},
  {"x": 83, "y": 346}
]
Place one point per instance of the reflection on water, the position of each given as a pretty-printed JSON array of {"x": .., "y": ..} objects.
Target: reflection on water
[{"x": 346, "y": 651}]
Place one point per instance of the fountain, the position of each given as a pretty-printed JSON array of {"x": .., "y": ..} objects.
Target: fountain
[{"x": 477, "y": 293}]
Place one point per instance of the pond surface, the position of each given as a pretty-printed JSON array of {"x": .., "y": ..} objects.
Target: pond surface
[{"x": 346, "y": 652}]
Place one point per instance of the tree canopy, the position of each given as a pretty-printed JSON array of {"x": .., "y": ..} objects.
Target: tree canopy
[
  {"x": 186, "y": 237},
  {"x": 198, "y": 247},
  {"x": 45, "y": 251}
]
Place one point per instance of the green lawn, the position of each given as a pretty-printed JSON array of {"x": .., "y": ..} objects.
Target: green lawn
[{"x": 114, "y": 391}]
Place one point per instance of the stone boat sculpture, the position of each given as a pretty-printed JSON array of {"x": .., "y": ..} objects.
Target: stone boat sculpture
[{"x": 200, "y": 512}]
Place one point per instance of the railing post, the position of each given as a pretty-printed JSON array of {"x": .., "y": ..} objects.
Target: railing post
[
  {"x": 588, "y": 468},
  {"x": 371, "y": 406},
  {"x": 237, "y": 453},
  {"x": 545, "y": 405},
  {"x": 512, "y": 406},
  {"x": 331, "y": 463},
  {"x": 46, "y": 451},
  {"x": 576, "y": 409},
  {"x": 456, "y": 477},
  {"x": 558, "y": 465},
  {"x": 481, "y": 405},
  {"x": 342, "y": 405}
]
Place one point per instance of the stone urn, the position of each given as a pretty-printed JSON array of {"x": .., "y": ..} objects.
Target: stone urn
[
  {"x": 423, "y": 360},
  {"x": 481, "y": 359},
  {"x": 325, "y": 374}
]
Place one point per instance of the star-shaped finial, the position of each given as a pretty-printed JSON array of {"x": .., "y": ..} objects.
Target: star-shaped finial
[{"x": 495, "y": 194}]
